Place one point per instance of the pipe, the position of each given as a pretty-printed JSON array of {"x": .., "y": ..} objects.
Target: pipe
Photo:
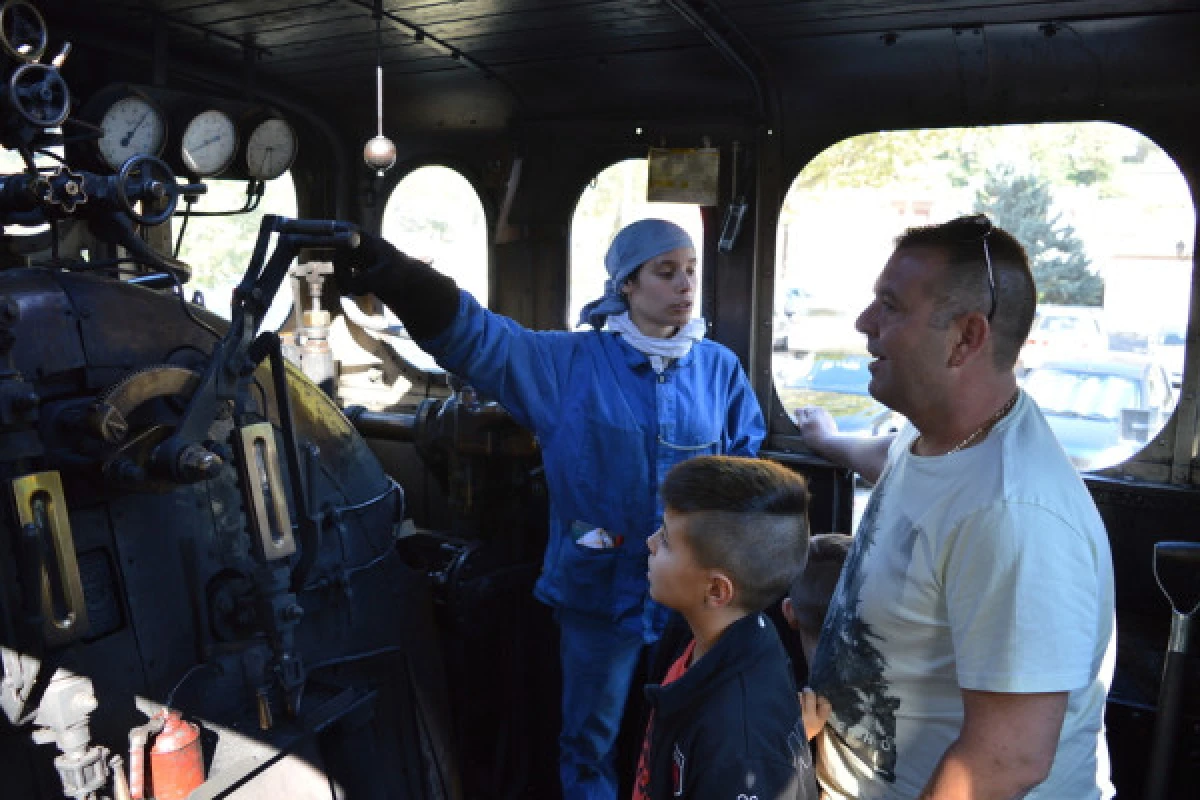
[
  {"x": 383, "y": 424},
  {"x": 341, "y": 170},
  {"x": 701, "y": 17},
  {"x": 120, "y": 784}
]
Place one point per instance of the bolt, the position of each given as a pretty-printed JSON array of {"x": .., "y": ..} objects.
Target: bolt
[{"x": 198, "y": 464}]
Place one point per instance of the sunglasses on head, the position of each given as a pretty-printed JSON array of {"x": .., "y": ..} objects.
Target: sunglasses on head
[{"x": 978, "y": 226}]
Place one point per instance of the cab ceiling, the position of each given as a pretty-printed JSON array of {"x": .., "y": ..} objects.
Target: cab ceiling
[{"x": 481, "y": 63}]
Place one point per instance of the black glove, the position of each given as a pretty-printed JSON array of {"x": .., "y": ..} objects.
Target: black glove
[
  {"x": 365, "y": 269},
  {"x": 425, "y": 300}
]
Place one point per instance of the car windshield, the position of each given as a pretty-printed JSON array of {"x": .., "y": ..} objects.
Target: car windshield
[
  {"x": 845, "y": 375},
  {"x": 1061, "y": 325},
  {"x": 1084, "y": 394}
]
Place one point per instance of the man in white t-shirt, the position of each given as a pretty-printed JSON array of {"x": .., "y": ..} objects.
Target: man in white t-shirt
[{"x": 970, "y": 642}]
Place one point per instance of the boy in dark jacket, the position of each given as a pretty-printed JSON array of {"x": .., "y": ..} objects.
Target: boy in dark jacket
[{"x": 725, "y": 722}]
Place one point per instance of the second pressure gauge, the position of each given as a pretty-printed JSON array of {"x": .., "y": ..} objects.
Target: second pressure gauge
[
  {"x": 209, "y": 143},
  {"x": 270, "y": 149},
  {"x": 133, "y": 126}
]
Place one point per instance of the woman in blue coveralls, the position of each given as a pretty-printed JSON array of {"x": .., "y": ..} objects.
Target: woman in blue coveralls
[{"x": 614, "y": 408}]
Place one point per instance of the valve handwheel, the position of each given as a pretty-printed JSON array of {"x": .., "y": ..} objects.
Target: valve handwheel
[
  {"x": 39, "y": 94},
  {"x": 147, "y": 178}
]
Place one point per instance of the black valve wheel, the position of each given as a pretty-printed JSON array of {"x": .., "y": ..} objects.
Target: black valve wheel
[
  {"x": 22, "y": 31},
  {"x": 147, "y": 179},
  {"x": 39, "y": 94}
]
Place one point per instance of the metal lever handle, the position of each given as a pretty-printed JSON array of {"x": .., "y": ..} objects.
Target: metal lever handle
[{"x": 1177, "y": 571}]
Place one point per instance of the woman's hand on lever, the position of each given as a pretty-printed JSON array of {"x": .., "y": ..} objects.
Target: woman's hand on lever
[
  {"x": 367, "y": 269},
  {"x": 425, "y": 300}
]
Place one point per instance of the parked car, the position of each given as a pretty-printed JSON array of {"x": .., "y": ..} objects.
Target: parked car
[
  {"x": 796, "y": 301},
  {"x": 819, "y": 331},
  {"x": 1168, "y": 348},
  {"x": 1063, "y": 332},
  {"x": 836, "y": 381},
  {"x": 1102, "y": 411}
]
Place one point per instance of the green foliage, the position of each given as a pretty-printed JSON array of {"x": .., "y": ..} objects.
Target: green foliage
[
  {"x": 1023, "y": 205},
  {"x": 1084, "y": 154},
  {"x": 219, "y": 248},
  {"x": 876, "y": 160}
]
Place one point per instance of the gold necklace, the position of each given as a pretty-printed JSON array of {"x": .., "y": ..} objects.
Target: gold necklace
[{"x": 982, "y": 429}]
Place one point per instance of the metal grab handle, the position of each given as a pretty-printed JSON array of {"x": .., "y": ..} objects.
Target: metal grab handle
[{"x": 1177, "y": 571}]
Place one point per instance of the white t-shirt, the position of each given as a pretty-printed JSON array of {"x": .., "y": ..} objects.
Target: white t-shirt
[{"x": 987, "y": 569}]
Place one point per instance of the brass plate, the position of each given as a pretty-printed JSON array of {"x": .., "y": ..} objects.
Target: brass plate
[
  {"x": 265, "y": 492},
  {"x": 40, "y": 502}
]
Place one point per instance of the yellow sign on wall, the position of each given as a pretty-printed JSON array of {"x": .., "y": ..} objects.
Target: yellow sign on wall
[{"x": 683, "y": 175}]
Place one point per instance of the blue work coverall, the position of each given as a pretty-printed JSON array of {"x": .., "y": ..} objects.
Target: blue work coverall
[{"x": 610, "y": 428}]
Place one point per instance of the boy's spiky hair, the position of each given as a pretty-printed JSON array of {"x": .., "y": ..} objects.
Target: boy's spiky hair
[{"x": 748, "y": 518}]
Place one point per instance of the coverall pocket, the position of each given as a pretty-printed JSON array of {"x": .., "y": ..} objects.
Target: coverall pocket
[
  {"x": 588, "y": 575},
  {"x": 675, "y": 452}
]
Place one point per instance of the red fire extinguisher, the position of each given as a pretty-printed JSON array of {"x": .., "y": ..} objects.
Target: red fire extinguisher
[{"x": 176, "y": 759}]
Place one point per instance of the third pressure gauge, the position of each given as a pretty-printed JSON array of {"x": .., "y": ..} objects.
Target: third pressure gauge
[
  {"x": 133, "y": 126},
  {"x": 270, "y": 149},
  {"x": 209, "y": 143}
]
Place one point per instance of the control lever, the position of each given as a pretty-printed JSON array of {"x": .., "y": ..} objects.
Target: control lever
[
  {"x": 235, "y": 357},
  {"x": 1177, "y": 570}
]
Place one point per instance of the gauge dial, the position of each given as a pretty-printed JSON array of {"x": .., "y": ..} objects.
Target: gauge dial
[
  {"x": 270, "y": 149},
  {"x": 133, "y": 126},
  {"x": 209, "y": 143}
]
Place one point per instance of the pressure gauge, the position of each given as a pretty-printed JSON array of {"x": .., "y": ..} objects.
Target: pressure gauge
[
  {"x": 209, "y": 143},
  {"x": 133, "y": 126},
  {"x": 270, "y": 149}
]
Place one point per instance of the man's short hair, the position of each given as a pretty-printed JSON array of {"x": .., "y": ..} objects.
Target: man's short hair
[
  {"x": 965, "y": 287},
  {"x": 813, "y": 588},
  {"x": 747, "y": 517}
]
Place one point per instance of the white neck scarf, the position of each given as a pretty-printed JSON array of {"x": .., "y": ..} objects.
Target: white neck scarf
[{"x": 660, "y": 351}]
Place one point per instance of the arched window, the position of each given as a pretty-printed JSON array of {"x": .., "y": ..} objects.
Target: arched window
[
  {"x": 434, "y": 214},
  {"x": 1106, "y": 219},
  {"x": 218, "y": 249},
  {"x": 615, "y": 198}
]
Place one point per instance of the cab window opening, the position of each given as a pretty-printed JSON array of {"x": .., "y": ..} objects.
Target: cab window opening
[
  {"x": 1107, "y": 221},
  {"x": 435, "y": 214},
  {"x": 609, "y": 202},
  {"x": 219, "y": 248}
]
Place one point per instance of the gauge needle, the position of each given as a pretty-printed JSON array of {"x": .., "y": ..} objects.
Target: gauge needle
[
  {"x": 206, "y": 143},
  {"x": 129, "y": 136},
  {"x": 265, "y": 160}
]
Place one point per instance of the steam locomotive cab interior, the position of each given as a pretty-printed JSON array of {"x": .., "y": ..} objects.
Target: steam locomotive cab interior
[{"x": 257, "y": 544}]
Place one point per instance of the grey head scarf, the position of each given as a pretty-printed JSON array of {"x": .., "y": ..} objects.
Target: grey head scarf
[{"x": 634, "y": 245}]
